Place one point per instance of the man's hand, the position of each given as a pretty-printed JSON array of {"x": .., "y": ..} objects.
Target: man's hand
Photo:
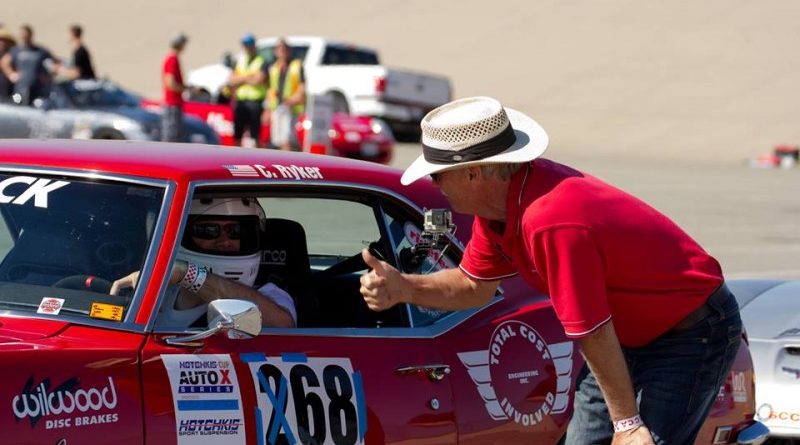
[
  {"x": 128, "y": 281},
  {"x": 636, "y": 436},
  {"x": 383, "y": 286}
]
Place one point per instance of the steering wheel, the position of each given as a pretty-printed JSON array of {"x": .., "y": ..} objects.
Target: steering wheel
[
  {"x": 84, "y": 282},
  {"x": 355, "y": 262}
]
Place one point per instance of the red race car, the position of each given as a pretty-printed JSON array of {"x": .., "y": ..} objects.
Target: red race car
[
  {"x": 357, "y": 137},
  {"x": 84, "y": 365}
]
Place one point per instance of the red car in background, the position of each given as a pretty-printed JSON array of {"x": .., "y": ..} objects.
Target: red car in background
[
  {"x": 356, "y": 137},
  {"x": 81, "y": 366}
]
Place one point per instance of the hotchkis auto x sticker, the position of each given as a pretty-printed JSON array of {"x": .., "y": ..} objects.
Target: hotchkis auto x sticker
[
  {"x": 66, "y": 405},
  {"x": 307, "y": 400},
  {"x": 12, "y": 190},
  {"x": 521, "y": 377},
  {"x": 208, "y": 403}
]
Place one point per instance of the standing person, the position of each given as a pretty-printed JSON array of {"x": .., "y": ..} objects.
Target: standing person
[
  {"x": 172, "y": 83},
  {"x": 29, "y": 68},
  {"x": 287, "y": 96},
  {"x": 634, "y": 290},
  {"x": 7, "y": 42},
  {"x": 80, "y": 66},
  {"x": 249, "y": 79}
]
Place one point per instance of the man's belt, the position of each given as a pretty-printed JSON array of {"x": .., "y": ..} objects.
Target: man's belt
[{"x": 702, "y": 312}]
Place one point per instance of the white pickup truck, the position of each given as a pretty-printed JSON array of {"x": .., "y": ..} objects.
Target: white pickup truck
[{"x": 354, "y": 77}]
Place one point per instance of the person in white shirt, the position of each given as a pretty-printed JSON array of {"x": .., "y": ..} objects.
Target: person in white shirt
[{"x": 219, "y": 258}]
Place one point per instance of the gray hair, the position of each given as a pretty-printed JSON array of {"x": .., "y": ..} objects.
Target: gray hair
[{"x": 503, "y": 172}]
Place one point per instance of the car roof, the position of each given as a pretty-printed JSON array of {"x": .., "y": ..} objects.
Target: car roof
[{"x": 193, "y": 162}]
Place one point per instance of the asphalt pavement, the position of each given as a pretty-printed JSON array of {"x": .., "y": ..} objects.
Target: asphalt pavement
[{"x": 748, "y": 218}]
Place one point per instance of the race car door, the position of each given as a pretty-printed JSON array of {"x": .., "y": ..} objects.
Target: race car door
[
  {"x": 297, "y": 387},
  {"x": 346, "y": 375}
]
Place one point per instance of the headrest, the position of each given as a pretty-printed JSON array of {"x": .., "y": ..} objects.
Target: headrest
[{"x": 283, "y": 244}]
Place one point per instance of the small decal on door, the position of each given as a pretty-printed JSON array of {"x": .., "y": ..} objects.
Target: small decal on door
[{"x": 206, "y": 397}]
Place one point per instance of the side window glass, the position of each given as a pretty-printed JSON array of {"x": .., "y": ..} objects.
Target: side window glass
[
  {"x": 336, "y": 231},
  {"x": 334, "y": 228}
]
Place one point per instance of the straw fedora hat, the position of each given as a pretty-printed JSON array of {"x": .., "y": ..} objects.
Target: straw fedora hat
[
  {"x": 474, "y": 131},
  {"x": 5, "y": 35}
]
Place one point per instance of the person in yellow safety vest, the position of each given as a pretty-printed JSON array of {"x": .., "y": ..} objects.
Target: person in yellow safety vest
[
  {"x": 286, "y": 97},
  {"x": 249, "y": 79}
]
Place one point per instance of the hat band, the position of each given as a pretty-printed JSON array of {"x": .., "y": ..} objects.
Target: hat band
[{"x": 491, "y": 147}]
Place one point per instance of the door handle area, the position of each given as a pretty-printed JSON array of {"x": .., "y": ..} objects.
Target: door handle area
[{"x": 434, "y": 372}]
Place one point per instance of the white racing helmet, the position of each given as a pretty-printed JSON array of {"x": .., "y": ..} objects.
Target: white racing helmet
[{"x": 247, "y": 222}]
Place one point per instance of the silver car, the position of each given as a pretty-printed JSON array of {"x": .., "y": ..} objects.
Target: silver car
[
  {"x": 91, "y": 109},
  {"x": 771, "y": 315}
]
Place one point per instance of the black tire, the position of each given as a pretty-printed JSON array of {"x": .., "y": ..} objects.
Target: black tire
[
  {"x": 340, "y": 104},
  {"x": 108, "y": 134}
]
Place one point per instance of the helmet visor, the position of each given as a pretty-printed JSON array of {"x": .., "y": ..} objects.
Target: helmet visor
[{"x": 223, "y": 235}]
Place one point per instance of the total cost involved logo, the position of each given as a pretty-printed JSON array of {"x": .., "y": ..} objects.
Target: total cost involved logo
[{"x": 520, "y": 376}]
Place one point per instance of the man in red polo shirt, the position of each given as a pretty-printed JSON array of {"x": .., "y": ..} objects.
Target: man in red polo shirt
[
  {"x": 645, "y": 302},
  {"x": 172, "y": 82}
]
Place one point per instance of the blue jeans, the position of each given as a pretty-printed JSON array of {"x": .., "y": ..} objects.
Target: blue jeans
[
  {"x": 676, "y": 379},
  {"x": 172, "y": 124}
]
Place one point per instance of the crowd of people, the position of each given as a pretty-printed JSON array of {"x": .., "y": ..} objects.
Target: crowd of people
[
  {"x": 259, "y": 92},
  {"x": 28, "y": 70}
]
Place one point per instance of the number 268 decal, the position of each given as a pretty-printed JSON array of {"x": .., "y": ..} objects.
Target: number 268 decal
[{"x": 307, "y": 400}]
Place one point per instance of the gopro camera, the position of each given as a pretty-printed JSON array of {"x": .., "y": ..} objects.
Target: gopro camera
[
  {"x": 437, "y": 224},
  {"x": 438, "y": 221}
]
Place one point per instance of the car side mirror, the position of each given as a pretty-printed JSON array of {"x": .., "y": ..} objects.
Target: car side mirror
[{"x": 238, "y": 319}]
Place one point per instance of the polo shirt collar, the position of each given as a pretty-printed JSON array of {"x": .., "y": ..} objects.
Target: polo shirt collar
[{"x": 516, "y": 190}]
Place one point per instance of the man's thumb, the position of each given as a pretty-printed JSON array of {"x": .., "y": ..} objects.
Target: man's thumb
[{"x": 372, "y": 262}]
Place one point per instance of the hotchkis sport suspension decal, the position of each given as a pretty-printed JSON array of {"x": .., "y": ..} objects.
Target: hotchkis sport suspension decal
[
  {"x": 521, "y": 377},
  {"x": 205, "y": 391},
  {"x": 307, "y": 400}
]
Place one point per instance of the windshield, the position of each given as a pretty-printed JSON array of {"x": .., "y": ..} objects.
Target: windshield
[
  {"x": 347, "y": 55},
  {"x": 93, "y": 93},
  {"x": 63, "y": 240}
]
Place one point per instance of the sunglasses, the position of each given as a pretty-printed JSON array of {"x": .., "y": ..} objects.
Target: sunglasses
[
  {"x": 436, "y": 177},
  {"x": 211, "y": 231}
]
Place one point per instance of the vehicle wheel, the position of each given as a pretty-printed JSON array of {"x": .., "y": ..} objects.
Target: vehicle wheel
[
  {"x": 108, "y": 134},
  {"x": 339, "y": 102},
  {"x": 406, "y": 132}
]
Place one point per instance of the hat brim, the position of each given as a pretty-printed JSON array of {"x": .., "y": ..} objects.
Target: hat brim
[{"x": 531, "y": 142}]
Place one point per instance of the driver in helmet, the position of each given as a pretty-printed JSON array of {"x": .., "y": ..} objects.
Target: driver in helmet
[{"x": 219, "y": 258}]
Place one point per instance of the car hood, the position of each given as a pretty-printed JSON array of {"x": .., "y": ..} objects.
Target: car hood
[
  {"x": 21, "y": 330},
  {"x": 774, "y": 313}
]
